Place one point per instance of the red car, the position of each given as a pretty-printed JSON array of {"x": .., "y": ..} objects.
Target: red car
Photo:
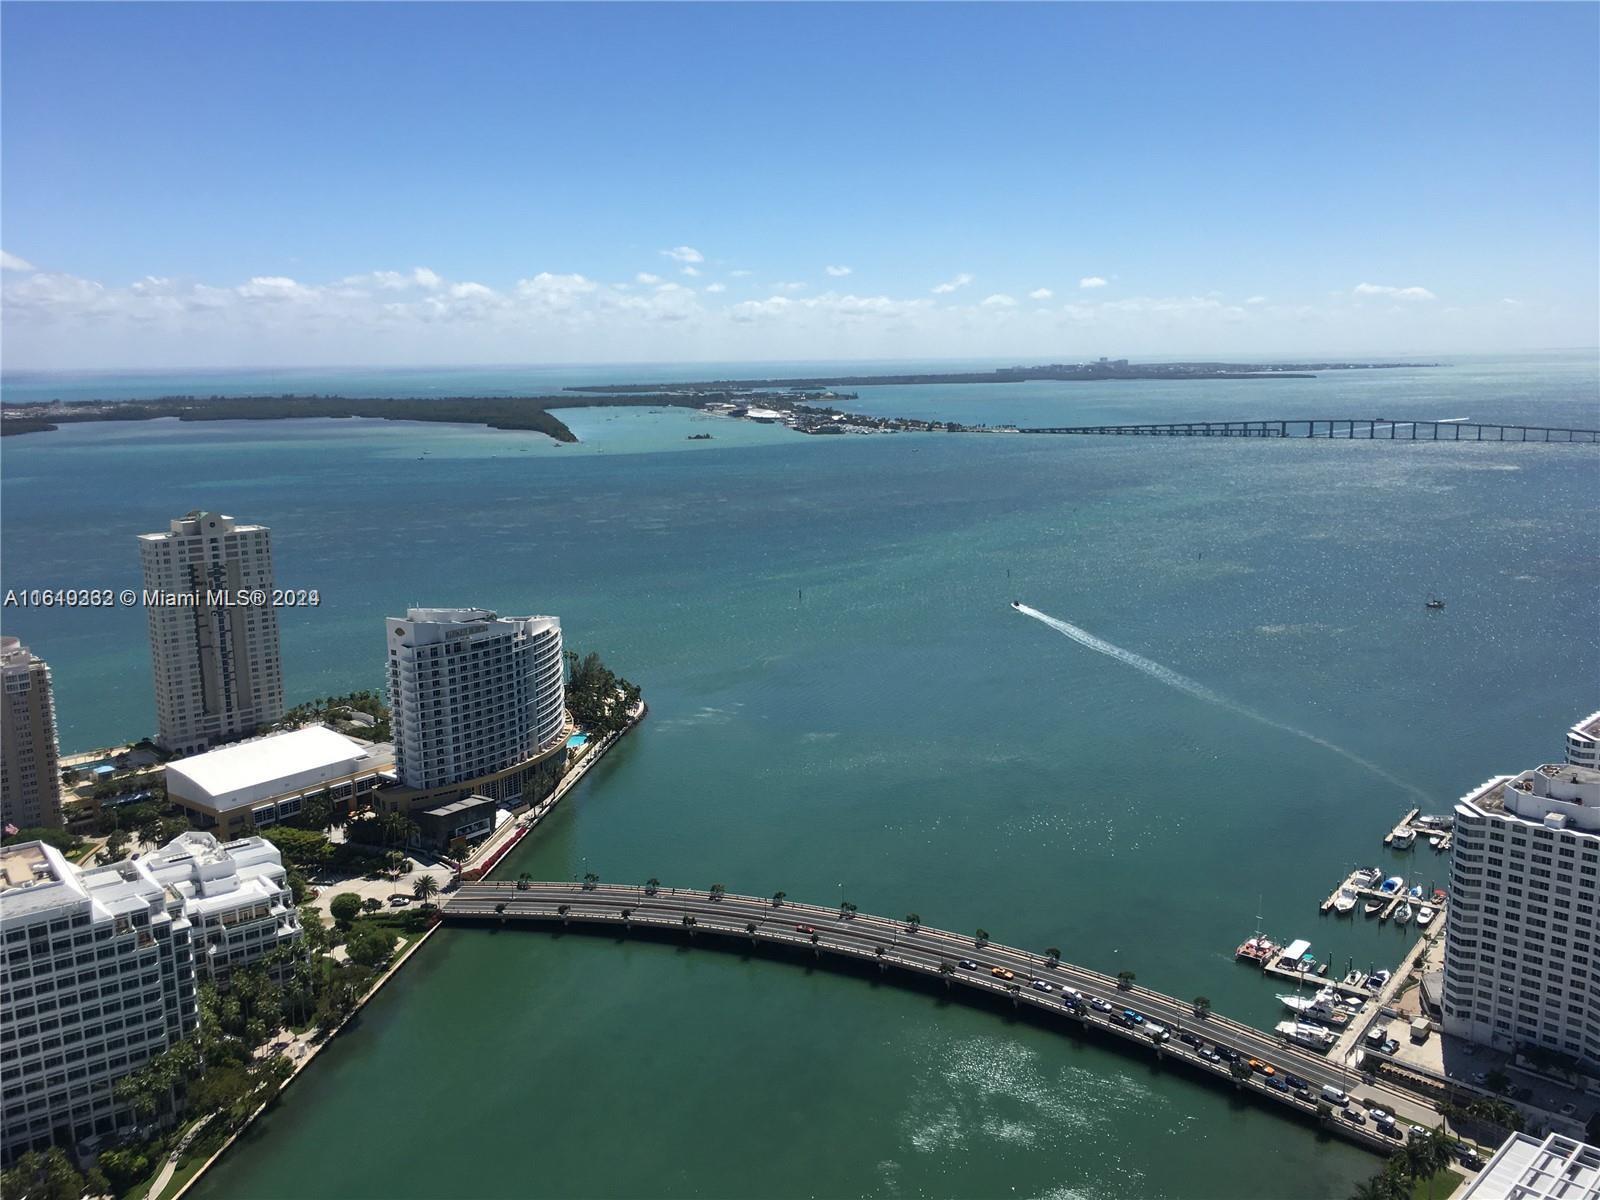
[{"x": 804, "y": 929}]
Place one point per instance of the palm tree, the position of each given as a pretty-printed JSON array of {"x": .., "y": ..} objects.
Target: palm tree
[
  {"x": 562, "y": 910},
  {"x": 1240, "y": 1073},
  {"x": 778, "y": 898},
  {"x": 501, "y": 910},
  {"x": 718, "y": 891},
  {"x": 1125, "y": 980},
  {"x": 947, "y": 969},
  {"x": 1417, "y": 1159},
  {"x": 1052, "y": 957},
  {"x": 750, "y": 928},
  {"x": 689, "y": 923},
  {"x": 981, "y": 938},
  {"x": 816, "y": 940},
  {"x": 1376, "y": 1188},
  {"x": 652, "y": 886},
  {"x": 425, "y": 888},
  {"x": 1016, "y": 993},
  {"x": 523, "y": 880},
  {"x": 589, "y": 880},
  {"x": 913, "y": 922},
  {"x": 1202, "y": 1007},
  {"x": 846, "y": 909},
  {"x": 627, "y": 918}
]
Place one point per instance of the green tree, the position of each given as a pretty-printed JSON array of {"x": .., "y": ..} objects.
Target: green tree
[
  {"x": 913, "y": 922},
  {"x": 43, "y": 1175},
  {"x": 303, "y": 849},
  {"x": 652, "y": 886},
  {"x": 1202, "y": 1007},
  {"x": 590, "y": 879},
  {"x": 369, "y": 945},
  {"x": 718, "y": 891},
  {"x": 778, "y": 898},
  {"x": 1125, "y": 980},
  {"x": 1052, "y": 957},
  {"x": 1497, "y": 1081},
  {"x": 371, "y": 905},
  {"x": 981, "y": 938},
  {"x": 425, "y": 888},
  {"x": 345, "y": 907},
  {"x": 123, "y": 1167}
]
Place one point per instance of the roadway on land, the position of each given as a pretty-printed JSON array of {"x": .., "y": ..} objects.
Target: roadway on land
[{"x": 894, "y": 944}]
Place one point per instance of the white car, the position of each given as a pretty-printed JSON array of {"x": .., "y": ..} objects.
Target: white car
[
  {"x": 1099, "y": 1005},
  {"x": 1040, "y": 985}
]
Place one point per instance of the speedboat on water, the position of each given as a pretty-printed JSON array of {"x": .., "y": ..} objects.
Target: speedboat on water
[
  {"x": 1402, "y": 915},
  {"x": 1373, "y": 908},
  {"x": 1345, "y": 900},
  {"x": 1416, "y": 892},
  {"x": 1368, "y": 877},
  {"x": 1425, "y": 917},
  {"x": 1393, "y": 884}
]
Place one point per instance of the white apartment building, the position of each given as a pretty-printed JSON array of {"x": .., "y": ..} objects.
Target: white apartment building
[
  {"x": 1526, "y": 1168},
  {"x": 102, "y": 966},
  {"x": 98, "y": 978},
  {"x": 1522, "y": 962},
  {"x": 235, "y": 894},
  {"x": 30, "y": 768},
  {"x": 472, "y": 693},
  {"x": 1583, "y": 742},
  {"x": 213, "y": 648}
]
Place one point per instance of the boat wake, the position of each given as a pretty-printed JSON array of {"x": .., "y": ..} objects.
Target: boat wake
[{"x": 1200, "y": 692}]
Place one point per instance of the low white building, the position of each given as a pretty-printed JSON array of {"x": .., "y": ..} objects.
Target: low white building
[
  {"x": 235, "y": 789},
  {"x": 98, "y": 977},
  {"x": 1522, "y": 961},
  {"x": 1583, "y": 742},
  {"x": 1525, "y": 1168},
  {"x": 235, "y": 894}
]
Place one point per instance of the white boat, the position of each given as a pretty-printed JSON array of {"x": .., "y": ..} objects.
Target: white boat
[
  {"x": 1373, "y": 908},
  {"x": 1345, "y": 900},
  {"x": 1416, "y": 892},
  {"x": 1425, "y": 916},
  {"x": 1436, "y": 841},
  {"x": 1402, "y": 915},
  {"x": 1393, "y": 884},
  {"x": 1404, "y": 839},
  {"x": 1368, "y": 877},
  {"x": 1311, "y": 1036},
  {"x": 1324, "y": 1007}
]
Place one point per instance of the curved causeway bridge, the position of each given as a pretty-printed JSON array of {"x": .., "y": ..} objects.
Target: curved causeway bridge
[
  {"x": 905, "y": 950},
  {"x": 1343, "y": 429}
]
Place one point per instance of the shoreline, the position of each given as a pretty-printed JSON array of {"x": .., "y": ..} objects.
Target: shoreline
[{"x": 497, "y": 855}]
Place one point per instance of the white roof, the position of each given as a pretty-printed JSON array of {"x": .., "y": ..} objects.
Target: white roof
[
  {"x": 1526, "y": 1168},
  {"x": 266, "y": 767},
  {"x": 1296, "y": 948}
]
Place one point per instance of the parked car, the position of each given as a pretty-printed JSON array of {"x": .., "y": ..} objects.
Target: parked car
[
  {"x": 1296, "y": 1082},
  {"x": 1211, "y": 1056},
  {"x": 1279, "y": 1085},
  {"x": 1132, "y": 1017}
]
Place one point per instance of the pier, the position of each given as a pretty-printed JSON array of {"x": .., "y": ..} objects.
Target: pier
[
  {"x": 917, "y": 955},
  {"x": 1342, "y": 429}
]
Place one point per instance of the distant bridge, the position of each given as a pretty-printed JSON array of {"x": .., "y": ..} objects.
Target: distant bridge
[
  {"x": 1343, "y": 429},
  {"x": 913, "y": 950}
]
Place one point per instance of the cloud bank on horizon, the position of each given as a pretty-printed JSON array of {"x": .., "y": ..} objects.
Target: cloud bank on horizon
[{"x": 55, "y": 319}]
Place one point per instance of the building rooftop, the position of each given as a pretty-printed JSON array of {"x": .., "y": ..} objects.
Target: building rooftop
[
  {"x": 25, "y": 863},
  {"x": 470, "y": 802},
  {"x": 265, "y": 760},
  {"x": 1589, "y": 727},
  {"x": 1525, "y": 1168}
]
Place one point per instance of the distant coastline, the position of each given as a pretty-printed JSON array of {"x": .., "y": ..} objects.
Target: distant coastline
[{"x": 1070, "y": 372}]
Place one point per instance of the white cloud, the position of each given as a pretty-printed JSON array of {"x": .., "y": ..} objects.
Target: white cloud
[
  {"x": 999, "y": 300},
  {"x": 837, "y": 272},
  {"x": 1513, "y": 303},
  {"x": 691, "y": 270},
  {"x": 1091, "y": 281},
  {"x": 685, "y": 254},
  {"x": 1040, "y": 294},
  {"x": 10, "y": 262},
  {"x": 1399, "y": 293},
  {"x": 716, "y": 287},
  {"x": 789, "y": 287},
  {"x": 646, "y": 277},
  {"x": 740, "y": 274},
  {"x": 950, "y": 285},
  {"x": 1256, "y": 300},
  {"x": 470, "y": 291}
]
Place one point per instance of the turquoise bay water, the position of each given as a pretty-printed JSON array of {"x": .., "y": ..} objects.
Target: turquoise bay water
[{"x": 844, "y": 705}]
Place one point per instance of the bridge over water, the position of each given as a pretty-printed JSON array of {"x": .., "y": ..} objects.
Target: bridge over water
[
  {"x": 1343, "y": 429},
  {"x": 914, "y": 954}
]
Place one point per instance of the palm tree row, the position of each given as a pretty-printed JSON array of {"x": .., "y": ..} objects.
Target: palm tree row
[{"x": 1423, "y": 1157}]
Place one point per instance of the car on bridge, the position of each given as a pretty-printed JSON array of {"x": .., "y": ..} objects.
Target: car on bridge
[
  {"x": 1002, "y": 973},
  {"x": 966, "y": 964},
  {"x": 1354, "y": 1116},
  {"x": 1262, "y": 1068},
  {"x": 805, "y": 929},
  {"x": 1040, "y": 985},
  {"x": 1099, "y": 1005},
  {"x": 1191, "y": 1039},
  {"x": 1131, "y": 1017}
]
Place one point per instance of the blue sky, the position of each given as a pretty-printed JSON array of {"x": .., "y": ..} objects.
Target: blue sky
[{"x": 311, "y": 183}]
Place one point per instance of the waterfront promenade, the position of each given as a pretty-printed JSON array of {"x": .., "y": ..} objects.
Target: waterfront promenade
[{"x": 736, "y": 922}]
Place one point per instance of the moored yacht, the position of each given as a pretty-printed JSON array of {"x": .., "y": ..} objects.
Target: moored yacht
[
  {"x": 1313, "y": 1037},
  {"x": 1424, "y": 917},
  {"x": 1373, "y": 908},
  {"x": 1393, "y": 884},
  {"x": 1402, "y": 914},
  {"x": 1404, "y": 840},
  {"x": 1345, "y": 900}
]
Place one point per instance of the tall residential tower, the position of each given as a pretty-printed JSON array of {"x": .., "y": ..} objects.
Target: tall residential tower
[
  {"x": 213, "y": 647},
  {"x": 30, "y": 772},
  {"x": 474, "y": 697}
]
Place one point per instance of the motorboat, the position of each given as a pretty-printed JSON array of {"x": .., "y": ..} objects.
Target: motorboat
[
  {"x": 1378, "y": 978},
  {"x": 1258, "y": 950},
  {"x": 1392, "y": 884},
  {"x": 1434, "y": 603},
  {"x": 1424, "y": 917},
  {"x": 1416, "y": 892},
  {"x": 1436, "y": 841},
  {"x": 1367, "y": 877},
  {"x": 1438, "y": 897},
  {"x": 1345, "y": 900},
  {"x": 1402, "y": 915},
  {"x": 1313, "y": 1037},
  {"x": 1326, "y": 1007},
  {"x": 1404, "y": 840},
  {"x": 1373, "y": 908}
]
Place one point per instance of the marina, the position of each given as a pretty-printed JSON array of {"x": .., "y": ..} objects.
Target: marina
[{"x": 1392, "y": 898}]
